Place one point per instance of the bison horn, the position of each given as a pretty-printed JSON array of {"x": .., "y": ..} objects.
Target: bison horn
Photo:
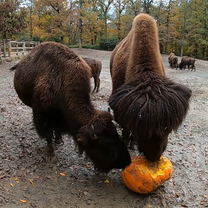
[{"x": 92, "y": 133}]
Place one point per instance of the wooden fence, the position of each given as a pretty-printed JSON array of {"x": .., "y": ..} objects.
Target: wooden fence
[{"x": 15, "y": 48}]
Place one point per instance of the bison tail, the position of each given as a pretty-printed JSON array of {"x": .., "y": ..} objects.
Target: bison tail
[{"x": 152, "y": 103}]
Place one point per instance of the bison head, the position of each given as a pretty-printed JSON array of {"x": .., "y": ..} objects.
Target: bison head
[{"x": 102, "y": 144}]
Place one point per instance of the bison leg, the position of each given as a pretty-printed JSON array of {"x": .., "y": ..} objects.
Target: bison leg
[
  {"x": 126, "y": 136},
  {"x": 133, "y": 141},
  {"x": 98, "y": 84},
  {"x": 58, "y": 138},
  {"x": 95, "y": 83},
  {"x": 50, "y": 149},
  {"x": 44, "y": 130}
]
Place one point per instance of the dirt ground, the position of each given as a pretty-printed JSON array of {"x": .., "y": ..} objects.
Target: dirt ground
[{"x": 25, "y": 174}]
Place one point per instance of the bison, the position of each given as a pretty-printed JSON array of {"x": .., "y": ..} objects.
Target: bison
[
  {"x": 187, "y": 61},
  {"x": 96, "y": 67},
  {"x": 146, "y": 104},
  {"x": 170, "y": 55},
  {"x": 173, "y": 60},
  {"x": 55, "y": 82}
]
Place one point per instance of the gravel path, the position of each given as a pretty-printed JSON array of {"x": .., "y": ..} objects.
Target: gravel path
[{"x": 25, "y": 174}]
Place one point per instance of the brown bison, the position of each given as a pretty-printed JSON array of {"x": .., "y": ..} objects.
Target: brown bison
[
  {"x": 146, "y": 104},
  {"x": 170, "y": 55},
  {"x": 55, "y": 82},
  {"x": 187, "y": 61},
  {"x": 96, "y": 67},
  {"x": 173, "y": 60}
]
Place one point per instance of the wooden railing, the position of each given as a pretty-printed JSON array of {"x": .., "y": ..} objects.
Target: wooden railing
[{"x": 14, "y": 48}]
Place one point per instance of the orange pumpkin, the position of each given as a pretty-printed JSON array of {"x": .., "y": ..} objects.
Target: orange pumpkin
[{"x": 143, "y": 176}]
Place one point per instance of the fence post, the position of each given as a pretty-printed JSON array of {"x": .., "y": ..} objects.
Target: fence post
[
  {"x": 4, "y": 45},
  {"x": 23, "y": 52},
  {"x": 17, "y": 48},
  {"x": 0, "y": 53},
  {"x": 9, "y": 48}
]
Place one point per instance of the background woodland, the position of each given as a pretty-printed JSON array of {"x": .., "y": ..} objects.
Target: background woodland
[{"x": 101, "y": 24}]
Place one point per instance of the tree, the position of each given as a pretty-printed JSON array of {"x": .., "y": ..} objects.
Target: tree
[
  {"x": 134, "y": 6},
  {"x": 92, "y": 25},
  {"x": 184, "y": 27},
  {"x": 105, "y": 7},
  {"x": 54, "y": 16},
  {"x": 12, "y": 18},
  {"x": 147, "y": 4},
  {"x": 119, "y": 8}
]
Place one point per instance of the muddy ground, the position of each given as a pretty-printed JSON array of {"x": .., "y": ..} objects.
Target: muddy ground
[{"x": 25, "y": 174}]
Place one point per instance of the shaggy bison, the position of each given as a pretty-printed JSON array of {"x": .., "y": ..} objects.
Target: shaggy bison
[
  {"x": 187, "y": 61},
  {"x": 96, "y": 67},
  {"x": 170, "y": 55},
  {"x": 55, "y": 82},
  {"x": 146, "y": 104},
  {"x": 173, "y": 60}
]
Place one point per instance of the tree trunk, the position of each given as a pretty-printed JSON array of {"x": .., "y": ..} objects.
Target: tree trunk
[
  {"x": 167, "y": 26},
  {"x": 184, "y": 28},
  {"x": 80, "y": 24}
]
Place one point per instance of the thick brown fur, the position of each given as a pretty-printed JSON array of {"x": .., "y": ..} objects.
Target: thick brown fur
[
  {"x": 96, "y": 67},
  {"x": 187, "y": 61},
  {"x": 145, "y": 102},
  {"x": 55, "y": 82}
]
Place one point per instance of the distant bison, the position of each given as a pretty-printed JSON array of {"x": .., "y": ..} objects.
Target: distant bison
[
  {"x": 170, "y": 55},
  {"x": 96, "y": 67},
  {"x": 174, "y": 62},
  {"x": 55, "y": 82},
  {"x": 187, "y": 61}
]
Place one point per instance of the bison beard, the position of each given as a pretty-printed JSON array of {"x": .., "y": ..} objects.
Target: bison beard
[{"x": 55, "y": 82}]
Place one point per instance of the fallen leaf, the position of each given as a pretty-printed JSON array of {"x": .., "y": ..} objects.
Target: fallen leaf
[
  {"x": 32, "y": 182},
  {"x": 62, "y": 174},
  {"x": 88, "y": 165},
  {"x": 24, "y": 201},
  {"x": 56, "y": 173},
  {"x": 16, "y": 179},
  {"x": 11, "y": 184},
  {"x": 106, "y": 181}
]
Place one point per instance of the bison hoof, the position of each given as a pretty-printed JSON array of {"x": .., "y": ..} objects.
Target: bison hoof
[
  {"x": 51, "y": 159},
  {"x": 59, "y": 141},
  {"x": 50, "y": 151},
  {"x": 132, "y": 146}
]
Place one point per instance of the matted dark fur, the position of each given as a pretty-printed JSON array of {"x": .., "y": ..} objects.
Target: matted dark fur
[
  {"x": 96, "y": 67},
  {"x": 146, "y": 104},
  {"x": 55, "y": 82}
]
